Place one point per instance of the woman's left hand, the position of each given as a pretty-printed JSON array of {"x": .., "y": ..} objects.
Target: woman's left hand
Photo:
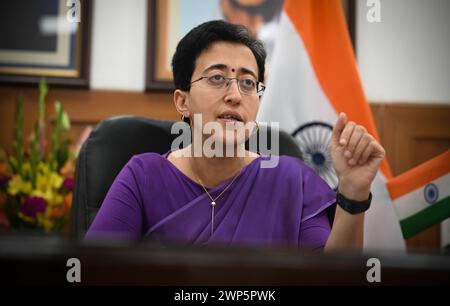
[{"x": 356, "y": 158}]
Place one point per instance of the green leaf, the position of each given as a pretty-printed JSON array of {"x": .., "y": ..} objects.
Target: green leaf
[
  {"x": 43, "y": 90},
  {"x": 35, "y": 154},
  {"x": 63, "y": 153},
  {"x": 18, "y": 136},
  {"x": 58, "y": 107},
  {"x": 66, "y": 121},
  {"x": 12, "y": 163},
  {"x": 56, "y": 136}
]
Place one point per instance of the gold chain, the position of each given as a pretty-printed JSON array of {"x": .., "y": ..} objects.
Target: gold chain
[{"x": 213, "y": 201}]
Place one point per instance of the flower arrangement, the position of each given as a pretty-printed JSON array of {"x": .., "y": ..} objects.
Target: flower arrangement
[{"x": 36, "y": 182}]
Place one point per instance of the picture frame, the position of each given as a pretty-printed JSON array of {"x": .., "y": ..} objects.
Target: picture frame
[
  {"x": 52, "y": 40},
  {"x": 166, "y": 25}
]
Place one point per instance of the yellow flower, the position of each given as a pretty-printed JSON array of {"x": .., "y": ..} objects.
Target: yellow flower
[
  {"x": 50, "y": 196},
  {"x": 26, "y": 218},
  {"x": 56, "y": 180},
  {"x": 17, "y": 185},
  {"x": 46, "y": 222},
  {"x": 43, "y": 168},
  {"x": 47, "y": 185},
  {"x": 48, "y": 179},
  {"x": 26, "y": 168}
]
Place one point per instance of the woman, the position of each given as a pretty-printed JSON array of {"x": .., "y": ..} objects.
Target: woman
[{"x": 218, "y": 73}]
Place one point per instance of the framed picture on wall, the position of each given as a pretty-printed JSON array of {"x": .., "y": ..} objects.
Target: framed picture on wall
[
  {"x": 45, "y": 38},
  {"x": 170, "y": 20}
]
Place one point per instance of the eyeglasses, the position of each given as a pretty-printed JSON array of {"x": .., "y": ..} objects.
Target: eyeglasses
[{"x": 246, "y": 86}]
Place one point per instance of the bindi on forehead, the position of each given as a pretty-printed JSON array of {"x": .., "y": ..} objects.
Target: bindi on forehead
[{"x": 225, "y": 67}]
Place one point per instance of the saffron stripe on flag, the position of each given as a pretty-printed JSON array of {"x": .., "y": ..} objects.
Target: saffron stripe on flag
[
  {"x": 419, "y": 176},
  {"x": 313, "y": 77},
  {"x": 322, "y": 27}
]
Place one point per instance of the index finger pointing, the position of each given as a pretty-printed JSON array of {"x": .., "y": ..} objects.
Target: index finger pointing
[{"x": 339, "y": 127}]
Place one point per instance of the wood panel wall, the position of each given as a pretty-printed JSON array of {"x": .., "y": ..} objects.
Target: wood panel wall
[{"x": 411, "y": 133}]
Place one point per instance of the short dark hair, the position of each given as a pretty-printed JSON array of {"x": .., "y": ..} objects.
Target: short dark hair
[{"x": 201, "y": 37}]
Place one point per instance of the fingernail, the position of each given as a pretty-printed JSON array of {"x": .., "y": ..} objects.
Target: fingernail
[{"x": 342, "y": 141}]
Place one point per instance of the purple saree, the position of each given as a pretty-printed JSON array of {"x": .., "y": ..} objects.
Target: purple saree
[{"x": 281, "y": 206}]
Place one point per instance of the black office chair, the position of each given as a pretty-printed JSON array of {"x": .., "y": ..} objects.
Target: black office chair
[{"x": 109, "y": 147}]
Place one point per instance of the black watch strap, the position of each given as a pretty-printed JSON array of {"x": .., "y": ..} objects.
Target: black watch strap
[{"x": 353, "y": 207}]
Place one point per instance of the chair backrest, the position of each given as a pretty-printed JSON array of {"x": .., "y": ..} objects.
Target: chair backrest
[{"x": 109, "y": 147}]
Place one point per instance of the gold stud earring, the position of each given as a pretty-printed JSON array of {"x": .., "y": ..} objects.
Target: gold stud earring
[{"x": 257, "y": 126}]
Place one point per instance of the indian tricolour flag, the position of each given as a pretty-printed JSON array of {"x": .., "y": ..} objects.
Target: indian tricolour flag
[
  {"x": 421, "y": 195},
  {"x": 311, "y": 79}
]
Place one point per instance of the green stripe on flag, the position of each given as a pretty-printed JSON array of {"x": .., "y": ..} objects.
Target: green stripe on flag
[{"x": 425, "y": 218}]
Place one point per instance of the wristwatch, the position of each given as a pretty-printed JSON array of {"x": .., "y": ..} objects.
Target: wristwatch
[{"x": 353, "y": 207}]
